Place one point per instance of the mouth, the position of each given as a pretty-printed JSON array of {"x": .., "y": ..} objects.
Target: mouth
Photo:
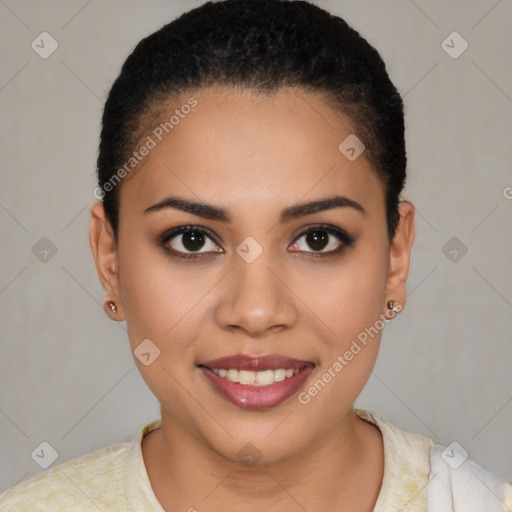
[{"x": 256, "y": 382}]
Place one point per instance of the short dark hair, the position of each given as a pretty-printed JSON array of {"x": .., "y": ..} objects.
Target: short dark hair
[{"x": 262, "y": 45}]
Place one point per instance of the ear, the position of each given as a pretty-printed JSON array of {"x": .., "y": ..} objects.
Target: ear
[
  {"x": 104, "y": 251},
  {"x": 400, "y": 254}
]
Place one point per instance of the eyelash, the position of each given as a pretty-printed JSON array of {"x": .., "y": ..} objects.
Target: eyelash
[{"x": 341, "y": 234}]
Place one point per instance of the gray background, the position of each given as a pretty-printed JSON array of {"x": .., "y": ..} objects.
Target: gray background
[{"x": 444, "y": 371}]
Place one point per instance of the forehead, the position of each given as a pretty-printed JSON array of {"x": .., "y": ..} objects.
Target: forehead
[{"x": 247, "y": 149}]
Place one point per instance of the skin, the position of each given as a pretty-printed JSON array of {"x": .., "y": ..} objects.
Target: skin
[{"x": 255, "y": 156}]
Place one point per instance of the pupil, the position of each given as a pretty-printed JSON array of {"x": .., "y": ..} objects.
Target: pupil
[
  {"x": 192, "y": 240},
  {"x": 317, "y": 239}
]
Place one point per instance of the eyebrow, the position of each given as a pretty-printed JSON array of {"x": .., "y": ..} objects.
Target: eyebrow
[{"x": 212, "y": 212}]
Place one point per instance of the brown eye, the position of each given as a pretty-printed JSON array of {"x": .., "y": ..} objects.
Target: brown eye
[
  {"x": 188, "y": 241},
  {"x": 192, "y": 240},
  {"x": 319, "y": 238}
]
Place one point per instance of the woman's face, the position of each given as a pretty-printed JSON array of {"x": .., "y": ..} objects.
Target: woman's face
[{"x": 272, "y": 284}]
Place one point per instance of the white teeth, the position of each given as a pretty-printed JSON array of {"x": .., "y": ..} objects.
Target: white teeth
[
  {"x": 232, "y": 375},
  {"x": 279, "y": 375},
  {"x": 261, "y": 378},
  {"x": 246, "y": 377},
  {"x": 265, "y": 377}
]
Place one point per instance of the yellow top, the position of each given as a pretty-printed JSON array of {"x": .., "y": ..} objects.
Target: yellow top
[{"x": 115, "y": 478}]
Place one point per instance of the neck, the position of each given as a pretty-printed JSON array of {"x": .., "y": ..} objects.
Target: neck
[{"x": 343, "y": 467}]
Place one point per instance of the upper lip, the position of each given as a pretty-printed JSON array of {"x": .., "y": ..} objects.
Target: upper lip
[{"x": 256, "y": 363}]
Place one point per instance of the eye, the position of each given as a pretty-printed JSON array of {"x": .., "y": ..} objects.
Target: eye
[
  {"x": 180, "y": 240},
  {"x": 322, "y": 237},
  {"x": 191, "y": 242}
]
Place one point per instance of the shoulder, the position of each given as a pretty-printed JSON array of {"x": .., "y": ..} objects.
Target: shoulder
[
  {"x": 420, "y": 474},
  {"x": 406, "y": 466},
  {"x": 78, "y": 484},
  {"x": 405, "y": 449},
  {"x": 457, "y": 482}
]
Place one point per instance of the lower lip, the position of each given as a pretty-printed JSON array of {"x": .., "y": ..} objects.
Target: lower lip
[{"x": 257, "y": 397}]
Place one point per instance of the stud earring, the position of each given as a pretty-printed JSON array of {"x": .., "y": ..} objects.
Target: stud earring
[
  {"x": 110, "y": 308},
  {"x": 394, "y": 306}
]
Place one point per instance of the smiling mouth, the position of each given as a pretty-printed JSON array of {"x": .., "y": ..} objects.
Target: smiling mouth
[
  {"x": 256, "y": 382},
  {"x": 252, "y": 378}
]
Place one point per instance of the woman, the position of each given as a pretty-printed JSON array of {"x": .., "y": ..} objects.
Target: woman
[{"x": 251, "y": 233}]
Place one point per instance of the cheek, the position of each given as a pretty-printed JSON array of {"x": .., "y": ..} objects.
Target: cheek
[
  {"x": 348, "y": 304},
  {"x": 151, "y": 301},
  {"x": 348, "y": 297},
  {"x": 355, "y": 312},
  {"x": 162, "y": 301},
  {"x": 351, "y": 310},
  {"x": 159, "y": 306}
]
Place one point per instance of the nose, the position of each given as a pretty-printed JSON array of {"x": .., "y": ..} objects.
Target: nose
[{"x": 257, "y": 298}]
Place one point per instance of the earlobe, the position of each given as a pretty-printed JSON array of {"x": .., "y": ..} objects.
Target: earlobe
[
  {"x": 400, "y": 254},
  {"x": 104, "y": 251}
]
